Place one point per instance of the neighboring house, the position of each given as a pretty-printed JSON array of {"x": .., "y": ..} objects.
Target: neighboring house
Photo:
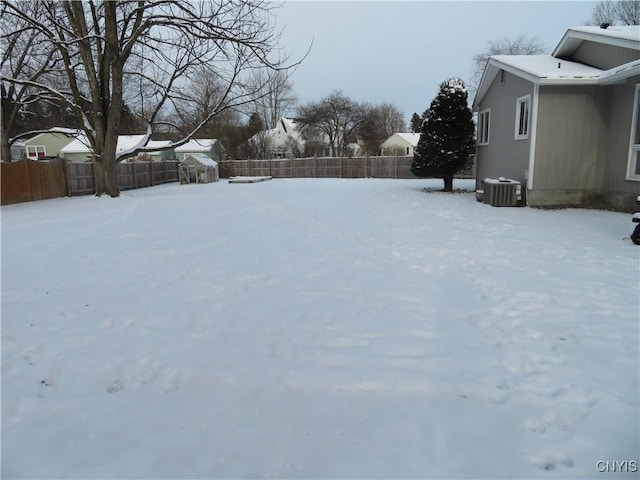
[
  {"x": 79, "y": 150},
  {"x": 208, "y": 146},
  {"x": 567, "y": 125},
  {"x": 47, "y": 144},
  {"x": 400, "y": 144},
  {"x": 157, "y": 155},
  {"x": 283, "y": 141}
]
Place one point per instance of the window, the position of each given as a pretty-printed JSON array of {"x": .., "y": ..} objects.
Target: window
[
  {"x": 407, "y": 151},
  {"x": 523, "y": 105},
  {"x": 36, "y": 152},
  {"x": 633, "y": 167},
  {"x": 483, "y": 127}
]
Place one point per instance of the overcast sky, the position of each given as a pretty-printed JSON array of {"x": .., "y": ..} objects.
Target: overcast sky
[{"x": 399, "y": 52}]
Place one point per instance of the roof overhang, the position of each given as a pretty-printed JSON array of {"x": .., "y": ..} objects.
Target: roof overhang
[
  {"x": 577, "y": 74},
  {"x": 624, "y": 37}
]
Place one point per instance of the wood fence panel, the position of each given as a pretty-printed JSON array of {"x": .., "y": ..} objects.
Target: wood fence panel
[
  {"x": 81, "y": 178},
  {"x": 30, "y": 180},
  {"x": 126, "y": 177}
]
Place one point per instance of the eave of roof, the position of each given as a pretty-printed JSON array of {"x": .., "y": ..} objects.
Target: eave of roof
[{"x": 620, "y": 36}]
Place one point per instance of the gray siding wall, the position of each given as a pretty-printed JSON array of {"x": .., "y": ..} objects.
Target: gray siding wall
[
  {"x": 604, "y": 56},
  {"x": 571, "y": 138},
  {"x": 504, "y": 156},
  {"x": 620, "y": 99}
]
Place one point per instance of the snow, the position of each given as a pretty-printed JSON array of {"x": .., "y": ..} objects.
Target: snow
[
  {"x": 546, "y": 66},
  {"x": 316, "y": 328},
  {"x": 412, "y": 138},
  {"x": 623, "y": 32},
  {"x": 202, "y": 158},
  {"x": 125, "y": 142}
]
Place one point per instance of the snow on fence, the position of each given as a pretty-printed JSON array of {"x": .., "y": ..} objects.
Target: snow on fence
[
  {"x": 323, "y": 167},
  {"x": 29, "y": 180}
]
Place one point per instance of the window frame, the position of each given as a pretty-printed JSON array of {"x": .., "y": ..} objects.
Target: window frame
[
  {"x": 37, "y": 149},
  {"x": 520, "y": 132},
  {"x": 484, "y": 119},
  {"x": 633, "y": 161}
]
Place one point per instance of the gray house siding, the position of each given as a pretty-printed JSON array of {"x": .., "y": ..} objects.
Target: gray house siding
[
  {"x": 582, "y": 146},
  {"x": 620, "y": 192},
  {"x": 571, "y": 138},
  {"x": 503, "y": 156},
  {"x": 604, "y": 56}
]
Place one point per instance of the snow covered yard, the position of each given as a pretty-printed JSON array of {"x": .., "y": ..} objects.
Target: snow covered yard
[{"x": 316, "y": 328}]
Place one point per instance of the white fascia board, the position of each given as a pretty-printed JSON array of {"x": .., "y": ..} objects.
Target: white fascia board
[{"x": 573, "y": 38}]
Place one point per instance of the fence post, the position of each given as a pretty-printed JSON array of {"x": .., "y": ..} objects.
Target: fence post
[
  {"x": 315, "y": 167},
  {"x": 291, "y": 169},
  {"x": 396, "y": 169},
  {"x": 135, "y": 176},
  {"x": 65, "y": 174},
  {"x": 365, "y": 167},
  {"x": 151, "y": 173}
]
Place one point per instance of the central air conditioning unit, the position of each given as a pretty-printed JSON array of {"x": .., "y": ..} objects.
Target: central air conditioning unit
[{"x": 502, "y": 192}]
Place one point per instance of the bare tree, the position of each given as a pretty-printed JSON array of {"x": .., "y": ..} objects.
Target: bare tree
[
  {"x": 275, "y": 97},
  {"x": 334, "y": 120},
  {"x": 108, "y": 50},
  {"x": 605, "y": 12},
  {"x": 612, "y": 12},
  {"x": 26, "y": 54},
  {"x": 629, "y": 12},
  {"x": 381, "y": 121},
  {"x": 521, "y": 45}
]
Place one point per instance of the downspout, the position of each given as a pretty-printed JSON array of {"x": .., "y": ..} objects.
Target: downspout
[{"x": 532, "y": 138}]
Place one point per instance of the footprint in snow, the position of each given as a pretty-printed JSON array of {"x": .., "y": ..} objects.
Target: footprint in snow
[
  {"x": 115, "y": 386},
  {"x": 47, "y": 388},
  {"x": 553, "y": 462}
]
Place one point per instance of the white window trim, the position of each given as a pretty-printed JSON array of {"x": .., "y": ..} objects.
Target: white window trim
[
  {"x": 481, "y": 124},
  {"x": 35, "y": 148},
  {"x": 634, "y": 148},
  {"x": 527, "y": 100}
]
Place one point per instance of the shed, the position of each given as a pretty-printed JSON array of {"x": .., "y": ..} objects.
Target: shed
[{"x": 198, "y": 168}]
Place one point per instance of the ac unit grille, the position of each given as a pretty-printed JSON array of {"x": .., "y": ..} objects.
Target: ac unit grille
[{"x": 502, "y": 192}]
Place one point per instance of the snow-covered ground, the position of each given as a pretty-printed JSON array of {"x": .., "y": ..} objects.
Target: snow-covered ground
[{"x": 316, "y": 328}]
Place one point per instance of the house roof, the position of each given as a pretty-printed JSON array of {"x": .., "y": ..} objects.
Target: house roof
[
  {"x": 81, "y": 144},
  {"x": 625, "y": 36},
  {"x": 202, "y": 158},
  {"x": 67, "y": 132},
  {"x": 197, "y": 145},
  {"x": 555, "y": 70},
  {"x": 412, "y": 138}
]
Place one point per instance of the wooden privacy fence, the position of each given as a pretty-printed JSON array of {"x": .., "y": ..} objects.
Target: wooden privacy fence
[
  {"x": 323, "y": 167},
  {"x": 29, "y": 180}
]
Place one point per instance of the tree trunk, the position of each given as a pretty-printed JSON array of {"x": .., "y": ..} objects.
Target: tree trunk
[
  {"x": 5, "y": 155},
  {"x": 106, "y": 169},
  {"x": 448, "y": 183}
]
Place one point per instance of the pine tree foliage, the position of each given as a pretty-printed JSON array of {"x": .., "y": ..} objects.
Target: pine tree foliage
[{"x": 447, "y": 135}]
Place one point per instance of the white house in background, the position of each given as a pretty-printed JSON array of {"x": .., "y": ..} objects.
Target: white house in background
[
  {"x": 400, "y": 144},
  {"x": 208, "y": 146},
  {"x": 282, "y": 141},
  {"x": 158, "y": 155},
  {"x": 79, "y": 150}
]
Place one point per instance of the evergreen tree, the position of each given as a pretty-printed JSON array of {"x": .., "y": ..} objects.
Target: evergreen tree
[
  {"x": 447, "y": 135},
  {"x": 416, "y": 122}
]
